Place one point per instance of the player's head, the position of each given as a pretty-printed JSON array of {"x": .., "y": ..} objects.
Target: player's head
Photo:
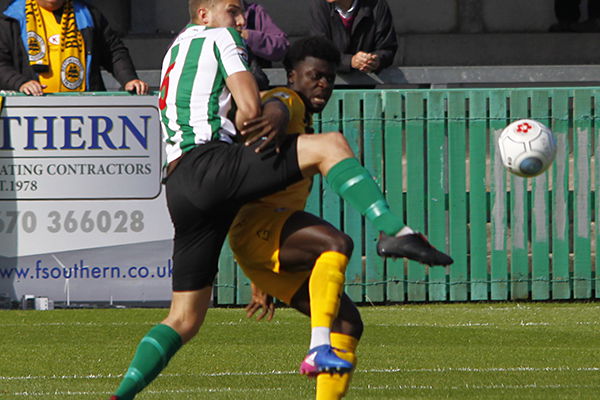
[
  {"x": 217, "y": 13},
  {"x": 310, "y": 64}
]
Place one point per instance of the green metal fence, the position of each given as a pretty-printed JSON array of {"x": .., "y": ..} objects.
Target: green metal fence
[{"x": 434, "y": 153}]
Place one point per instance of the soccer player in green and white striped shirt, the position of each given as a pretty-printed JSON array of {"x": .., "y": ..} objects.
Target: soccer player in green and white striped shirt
[
  {"x": 210, "y": 176},
  {"x": 195, "y": 100},
  {"x": 204, "y": 69}
]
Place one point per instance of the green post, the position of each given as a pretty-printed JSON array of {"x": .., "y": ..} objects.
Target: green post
[
  {"x": 457, "y": 192},
  {"x": 519, "y": 224},
  {"x": 352, "y": 221},
  {"x": 244, "y": 291},
  {"x": 372, "y": 152},
  {"x": 540, "y": 212},
  {"x": 499, "y": 253},
  {"x": 436, "y": 188},
  {"x": 394, "y": 182},
  {"x": 596, "y": 138},
  {"x": 415, "y": 202},
  {"x": 582, "y": 126},
  {"x": 313, "y": 203},
  {"x": 226, "y": 282},
  {"x": 561, "y": 289},
  {"x": 478, "y": 204}
]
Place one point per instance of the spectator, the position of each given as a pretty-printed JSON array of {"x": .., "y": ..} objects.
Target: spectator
[
  {"x": 568, "y": 14},
  {"x": 266, "y": 41},
  {"x": 264, "y": 38},
  {"x": 59, "y": 46},
  {"x": 362, "y": 30}
]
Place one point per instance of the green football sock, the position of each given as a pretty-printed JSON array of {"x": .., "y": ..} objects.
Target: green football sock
[
  {"x": 152, "y": 355},
  {"x": 353, "y": 183}
]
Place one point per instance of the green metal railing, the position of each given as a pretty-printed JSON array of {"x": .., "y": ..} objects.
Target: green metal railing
[{"x": 434, "y": 153}]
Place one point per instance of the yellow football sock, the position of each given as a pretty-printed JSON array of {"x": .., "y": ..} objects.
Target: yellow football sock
[
  {"x": 335, "y": 386},
  {"x": 325, "y": 288}
]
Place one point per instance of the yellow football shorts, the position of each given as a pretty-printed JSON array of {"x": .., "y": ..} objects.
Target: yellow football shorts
[{"x": 254, "y": 238}]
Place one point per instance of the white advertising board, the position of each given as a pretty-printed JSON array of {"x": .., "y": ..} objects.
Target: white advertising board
[{"x": 83, "y": 215}]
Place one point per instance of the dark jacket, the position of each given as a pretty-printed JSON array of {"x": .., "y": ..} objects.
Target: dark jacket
[
  {"x": 372, "y": 31},
  {"x": 102, "y": 45}
]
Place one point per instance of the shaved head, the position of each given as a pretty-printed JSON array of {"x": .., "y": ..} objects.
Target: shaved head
[
  {"x": 217, "y": 13},
  {"x": 194, "y": 5}
]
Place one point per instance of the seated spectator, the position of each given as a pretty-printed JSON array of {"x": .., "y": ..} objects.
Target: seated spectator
[
  {"x": 362, "y": 30},
  {"x": 51, "y": 46},
  {"x": 568, "y": 14},
  {"x": 265, "y": 40}
]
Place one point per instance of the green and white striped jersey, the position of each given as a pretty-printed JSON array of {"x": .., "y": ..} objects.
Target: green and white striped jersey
[{"x": 194, "y": 101}]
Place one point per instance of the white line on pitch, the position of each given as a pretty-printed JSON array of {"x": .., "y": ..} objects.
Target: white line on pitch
[
  {"x": 481, "y": 324},
  {"x": 274, "y": 372},
  {"x": 96, "y": 324},
  {"x": 235, "y": 323},
  {"x": 471, "y": 387},
  {"x": 354, "y": 388},
  {"x": 182, "y": 391}
]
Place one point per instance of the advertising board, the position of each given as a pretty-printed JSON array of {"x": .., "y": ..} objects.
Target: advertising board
[{"x": 83, "y": 215}]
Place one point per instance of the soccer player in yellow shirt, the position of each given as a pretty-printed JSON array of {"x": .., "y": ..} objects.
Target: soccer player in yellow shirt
[{"x": 291, "y": 254}]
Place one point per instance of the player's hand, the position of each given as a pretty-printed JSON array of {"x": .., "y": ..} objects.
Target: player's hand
[
  {"x": 270, "y": 126},
  {"x": 260, "y": 301},
  {"x": 137, "y": 86},
  {"x": 262, "y": 129},
  {"x": 32, "y": 88}
]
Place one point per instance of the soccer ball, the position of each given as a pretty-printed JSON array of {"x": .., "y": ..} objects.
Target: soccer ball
[{"x": 527, "y": 147}]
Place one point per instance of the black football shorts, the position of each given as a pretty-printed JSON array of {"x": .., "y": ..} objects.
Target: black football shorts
[{"x": 204, "y": 193}]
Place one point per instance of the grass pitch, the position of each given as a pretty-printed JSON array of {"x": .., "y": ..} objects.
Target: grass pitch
[{"x": 456, "y": 351}]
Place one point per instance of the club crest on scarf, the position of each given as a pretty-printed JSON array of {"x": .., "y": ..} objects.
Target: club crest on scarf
[
  {"x": 72, "y": 73},
  {"x": 37, "y": 47}
]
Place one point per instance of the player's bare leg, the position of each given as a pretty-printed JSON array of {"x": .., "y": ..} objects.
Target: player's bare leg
[
  {"x": 308, "y": 242},
  {"x": 330, "y": 155},
  {"x": 187, "y": 312},
  {"x": 154, "y": 351},
  {"x": 346, "y": 332}
]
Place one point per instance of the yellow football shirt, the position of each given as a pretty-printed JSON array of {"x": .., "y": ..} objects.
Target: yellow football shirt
[
  {"x": 255, "y": 233},
  {"x": 294, "y": 196}
]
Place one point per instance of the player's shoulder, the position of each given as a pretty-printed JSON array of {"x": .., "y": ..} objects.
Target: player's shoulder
[
  {"x": 282, "y": 93},
  {"x": 193, "y": 31},
  {"x": 190, "y": 32},
  {"x": 291, "y": 100},
  {"x": 225, "y": 34}
]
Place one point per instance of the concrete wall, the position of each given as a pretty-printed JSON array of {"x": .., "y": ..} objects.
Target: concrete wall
[
  {"x": 411, "y": 16},
  {"x": 517, "y": 15},
  {"x": 430, "y": 32}
]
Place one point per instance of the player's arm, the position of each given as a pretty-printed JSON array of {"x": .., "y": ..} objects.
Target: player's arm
[
  {"x": 244, "y": 90},
  {"x": 271, "y": 125},
  {"x": 233, "y": 62}
]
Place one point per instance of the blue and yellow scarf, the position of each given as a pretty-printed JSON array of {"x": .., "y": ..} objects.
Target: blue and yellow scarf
[{"x": 79, "y": 19}]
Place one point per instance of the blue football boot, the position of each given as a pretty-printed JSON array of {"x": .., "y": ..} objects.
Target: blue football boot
[{"x": 323, "y": 359}]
